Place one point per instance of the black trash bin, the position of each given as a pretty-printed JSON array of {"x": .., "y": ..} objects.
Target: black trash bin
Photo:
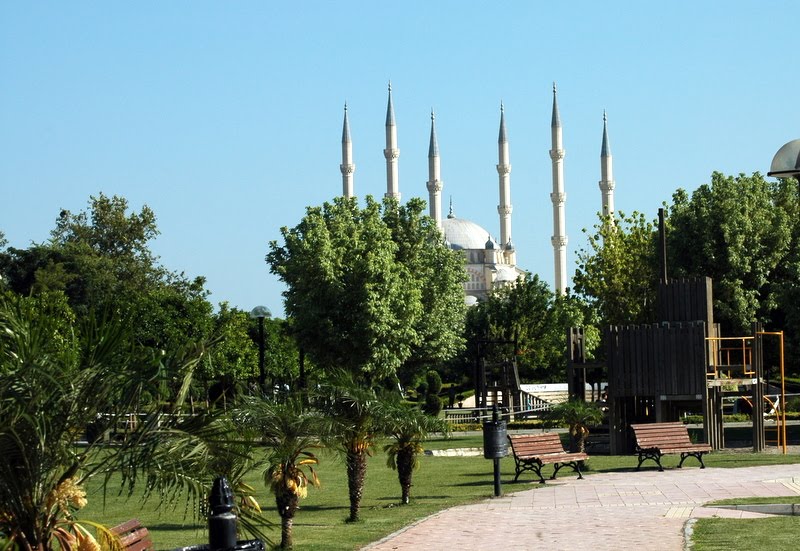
[{"x": 495, "y": 441}]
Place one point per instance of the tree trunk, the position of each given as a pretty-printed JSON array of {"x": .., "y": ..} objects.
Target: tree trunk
[
  {"x": 288, "y": 504},
  {"x": 286, "y": 533},
  {"x": 405, "y": 470},
  {"x": 577, "y": 440},
  {"x": 356, "y": 472}
]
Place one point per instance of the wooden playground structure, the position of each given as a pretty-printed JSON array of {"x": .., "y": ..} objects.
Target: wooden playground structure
[{"x": 657, "y": 372}]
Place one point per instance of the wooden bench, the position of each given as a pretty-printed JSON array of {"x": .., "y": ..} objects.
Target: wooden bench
[
  {"x": 533, "y": 451},
  {"x": 133, "y": 536},
  {"x": 654, "y": 440}
]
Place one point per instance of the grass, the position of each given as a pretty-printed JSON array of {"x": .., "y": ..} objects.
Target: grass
[
  {"x": 716, "y": 534},
  {"x": 711, "y": 534},
  {"x": 780, "y": 500},
  {"x": 440, "y": 483}
]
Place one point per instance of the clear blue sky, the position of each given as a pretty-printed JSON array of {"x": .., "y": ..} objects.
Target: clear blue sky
[{"x": 225, "y": 117}]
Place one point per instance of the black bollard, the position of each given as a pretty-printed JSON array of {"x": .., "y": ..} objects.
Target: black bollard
[
  {"x": 222, "y": 523},
  {"x": 222, "y": 520}
]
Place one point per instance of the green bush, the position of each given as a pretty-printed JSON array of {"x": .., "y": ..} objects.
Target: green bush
[
  {"x": 433, "y": 405},
  {"x": 434, "y": 382},
  {"x": 793, "y": 404}
]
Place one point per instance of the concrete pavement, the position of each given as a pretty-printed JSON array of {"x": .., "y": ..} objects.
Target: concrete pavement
[{"x": 605, "y": 511}]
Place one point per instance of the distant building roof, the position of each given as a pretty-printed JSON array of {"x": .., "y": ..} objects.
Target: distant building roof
[{"x": 463, "y": 234}]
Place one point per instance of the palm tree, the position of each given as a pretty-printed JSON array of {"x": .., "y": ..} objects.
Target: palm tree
[
  {"x": 57, "y": 378},
  {"x": 408, "y": 427},
  {"x": 291, "y": 433},
  {"x": 53, "y": 381},
  {"x": 578, "y": 415},
  {"x": 352, "y": 410}
]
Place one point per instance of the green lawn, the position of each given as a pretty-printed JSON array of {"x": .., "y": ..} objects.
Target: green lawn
[
  {"x": 774, "y": 533},
  {"x": 441, "y": 482},
  {"x": 717, "y": 534},
  {"x": 781, "y": 500}
]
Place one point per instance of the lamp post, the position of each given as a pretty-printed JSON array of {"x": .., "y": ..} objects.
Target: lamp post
[
  {"x": 259, "y": 313},
  {"x": 786, "y": 162}
]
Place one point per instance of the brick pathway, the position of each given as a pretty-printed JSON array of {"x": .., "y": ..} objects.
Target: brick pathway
[{"x": 603, "y": 511}]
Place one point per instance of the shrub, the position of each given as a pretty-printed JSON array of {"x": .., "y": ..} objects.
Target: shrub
[
  {"x": 433, "y": 405},
  {"x": 434, "y": 382},
  {"x": 793, "y": 404}
]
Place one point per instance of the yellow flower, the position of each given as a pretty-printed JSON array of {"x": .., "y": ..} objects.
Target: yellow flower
[{"x": 67, "y": 493}]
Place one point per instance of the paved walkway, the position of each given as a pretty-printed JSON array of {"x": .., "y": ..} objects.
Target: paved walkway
[{"x": 603, "y": 511}]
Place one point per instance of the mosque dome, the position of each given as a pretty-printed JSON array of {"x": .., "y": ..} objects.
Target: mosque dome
[{"x": 463, "y": 234}]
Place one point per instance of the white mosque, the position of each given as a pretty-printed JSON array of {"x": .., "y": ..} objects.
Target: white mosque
[{"x": 490, "y": 264}]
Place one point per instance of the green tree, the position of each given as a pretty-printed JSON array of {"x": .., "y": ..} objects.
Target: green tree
[
  {"x": 618, "y": 273},
  {"x": 233, "y": 362},
  {"x": 439, "y": 274},
  {"x": 738, "y": 231},
  {"x": 106, "y": 248},
  {"x": 282, "y": 358},
  {"x": 529, "y": 314},
  {"x": 355, "y": 294},
  {"x": 100, "y": 258}
]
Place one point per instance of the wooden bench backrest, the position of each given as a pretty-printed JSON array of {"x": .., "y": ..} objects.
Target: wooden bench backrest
[
  {"x": 655, "y": 435},
  {"x": 133, "y": 536},
  {"x": 536, "y": 444}
]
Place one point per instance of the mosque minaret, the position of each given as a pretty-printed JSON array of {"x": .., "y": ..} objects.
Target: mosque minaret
[
  {"x": 606, "y": 173},
  {"x": 434, "y": 183},
  {"x": 392, "y": 153},
  {"x": 347, "y": 167},
  {"x": 559, "y": 198},
  {"x": 504, "y": 173},
  {"x": 490, "y": 264}
]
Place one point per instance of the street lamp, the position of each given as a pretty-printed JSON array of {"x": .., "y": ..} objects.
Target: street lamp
[
  {"x": 786, "y": 162},
  {"x": 259, "y": 313}
]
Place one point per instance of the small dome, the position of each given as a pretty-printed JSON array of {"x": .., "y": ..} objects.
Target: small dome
[
  {"x": 463, "y": 234},
  {"x": 786, "y": 162},
  {"x": 489, "y": 244},
  {"x": 509, "y": 245}
]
